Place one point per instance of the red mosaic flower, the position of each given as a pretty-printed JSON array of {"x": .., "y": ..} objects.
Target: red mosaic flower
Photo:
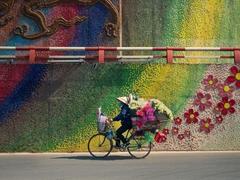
[
  {"x": 210, "y": 82},
  {"x": 165, "y": 131},
  {"x": 180, "y": 136},
  {"x": 191, "y": 116},
  {"x": 160, "y": 137},
  {"x": 203, "y": 101},
  {"x": 219, "y": 119},
  {"x": 225, "y": 90},
  {"x": 235, "y": 77},
  {"x": 226, "y": 106},
  {"x": 206, "y": 125},
  {"x": 187, "y": 133},
  {"x": 175, "y": 130},
  {"x": 164, "y": 139},
  {"x": 178, "y": 121}
]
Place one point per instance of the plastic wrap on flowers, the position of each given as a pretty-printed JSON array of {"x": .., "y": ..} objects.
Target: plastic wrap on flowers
[
  {"x": 161, "y": 109},
  {"x": 149, "y": 114},
  {"x": 148, "y": 137}
]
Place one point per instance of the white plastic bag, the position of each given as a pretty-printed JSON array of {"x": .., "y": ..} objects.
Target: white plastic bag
[{"x": 102, "y": 123}]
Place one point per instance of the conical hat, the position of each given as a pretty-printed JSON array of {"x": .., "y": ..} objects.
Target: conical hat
[{"x": 124, "y": 99}]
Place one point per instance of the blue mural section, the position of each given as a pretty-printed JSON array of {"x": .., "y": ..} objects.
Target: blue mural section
[{"x": 23, "y": 90}]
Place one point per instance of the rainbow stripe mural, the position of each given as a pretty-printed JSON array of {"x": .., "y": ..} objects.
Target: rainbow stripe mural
[{"x": 52, "y": 107}]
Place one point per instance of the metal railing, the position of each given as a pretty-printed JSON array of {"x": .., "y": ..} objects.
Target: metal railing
[{"x": 36, "y": 54}]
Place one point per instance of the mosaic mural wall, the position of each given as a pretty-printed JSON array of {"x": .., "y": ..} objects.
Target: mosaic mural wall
[{"x": 53, "y": 107}]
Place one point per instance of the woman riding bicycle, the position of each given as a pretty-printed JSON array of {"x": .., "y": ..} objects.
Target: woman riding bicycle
[
  {"x": 125, "y": 117},
  {"x": 135, "y": 113}
]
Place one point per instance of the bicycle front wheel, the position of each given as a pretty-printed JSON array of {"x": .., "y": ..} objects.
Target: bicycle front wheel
[
  {"x": 99, "y": 146},
  {"x": 138, "y": 147}
]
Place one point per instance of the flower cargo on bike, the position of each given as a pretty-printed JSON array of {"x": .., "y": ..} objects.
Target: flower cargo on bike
[
  {"x": 140, "y": 118},
  {"x": 147, "y": 115}
]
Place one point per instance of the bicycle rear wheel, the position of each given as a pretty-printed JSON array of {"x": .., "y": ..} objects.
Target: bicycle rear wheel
[
  {"x": 99, "y": 146},
  {"x": 139, "y": 147}
]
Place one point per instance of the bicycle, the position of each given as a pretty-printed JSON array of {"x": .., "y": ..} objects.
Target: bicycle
[{"x": 100, "y": 145}]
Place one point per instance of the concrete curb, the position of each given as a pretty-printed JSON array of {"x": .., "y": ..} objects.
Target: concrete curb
[{"x": 116, "y": 153}]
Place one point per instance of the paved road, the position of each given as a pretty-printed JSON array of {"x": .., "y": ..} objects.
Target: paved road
[{"x": 160, "y": 166}]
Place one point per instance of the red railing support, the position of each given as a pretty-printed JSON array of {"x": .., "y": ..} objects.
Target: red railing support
[
  {"x": 237, "y": 56},
  {"x": 32, "y": 56},
  {"x": 169, "y": 56},
  {"x": 101, "y": 55}
]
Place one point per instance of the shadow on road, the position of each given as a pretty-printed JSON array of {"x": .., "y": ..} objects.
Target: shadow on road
[{"x": 109, "y": 158}]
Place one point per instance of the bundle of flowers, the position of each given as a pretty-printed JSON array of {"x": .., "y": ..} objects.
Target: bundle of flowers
[{"x": 148, "y": 114}]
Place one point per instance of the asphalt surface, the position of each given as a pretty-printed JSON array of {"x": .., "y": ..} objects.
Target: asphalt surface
[{"x": 119, "y": 166}]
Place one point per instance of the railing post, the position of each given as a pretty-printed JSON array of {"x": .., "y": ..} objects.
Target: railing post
[
  {"x": 169, "y": 56},
  {"x": 101, "y": 55},
  {"x": 237, "y": 56},
  {"x": 32, "y": 55}
]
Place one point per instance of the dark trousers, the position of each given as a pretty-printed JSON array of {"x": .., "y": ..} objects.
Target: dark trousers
[{"x": 120, "y": 131}]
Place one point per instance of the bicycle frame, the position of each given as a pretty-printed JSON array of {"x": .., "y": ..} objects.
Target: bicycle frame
[
  {"x": 112, "y": 129},
  {"x": 132, "y": 148}
]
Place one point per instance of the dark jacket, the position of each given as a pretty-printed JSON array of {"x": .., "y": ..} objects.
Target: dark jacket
[{"x": 124, "y": 115}]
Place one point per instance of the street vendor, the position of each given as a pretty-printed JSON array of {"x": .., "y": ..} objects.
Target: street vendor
[{"x": 125, "y": 117}]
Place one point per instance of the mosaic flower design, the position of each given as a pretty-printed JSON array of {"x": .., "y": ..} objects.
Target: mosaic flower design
[
  {"x": 164, "y": 139},
  {"x": 226, "y": 106},
  {"x": 180, "y": 136},
  {"x": 160, "y": 137},
  {"x": 210, "y": 82},
  {"x": 191, "y": 116},
  {"x": 178, "y": 121},
  {"x": 206, "y": 125},
  {"x": 219, "y": 120},
  {"x": 175, "y": 130},
  {"x": 235, "y": 77},
  {"x": 203, "y": 101},
  {"x": 225, "y": 90},
  {"x": 165, "y": 131},
  {"x": 187, "y": 133}
]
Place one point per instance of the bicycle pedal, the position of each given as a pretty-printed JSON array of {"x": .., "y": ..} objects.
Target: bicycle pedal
[
  {"x": 117, "y": 147},
  {"x": 122, "y": 149}
]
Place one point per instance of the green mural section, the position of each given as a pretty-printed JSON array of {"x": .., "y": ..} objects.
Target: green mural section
[{"x": 65, "y": 117}]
